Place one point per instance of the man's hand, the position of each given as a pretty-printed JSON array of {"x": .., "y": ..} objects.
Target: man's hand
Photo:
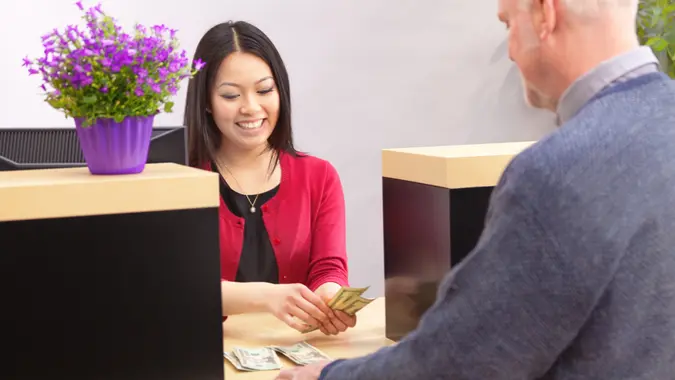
[
  {"x": 341, "y": 321},
  {"x": 308, "y": 372}
]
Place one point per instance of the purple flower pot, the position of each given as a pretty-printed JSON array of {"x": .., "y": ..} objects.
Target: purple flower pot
[{"x": 115, "y": 148}]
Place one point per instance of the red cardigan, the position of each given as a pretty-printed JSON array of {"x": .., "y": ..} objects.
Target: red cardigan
[{"x": 305, "y": 221}]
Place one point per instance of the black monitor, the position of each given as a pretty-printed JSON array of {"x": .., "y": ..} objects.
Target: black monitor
[{"x": 47, "y": 148}]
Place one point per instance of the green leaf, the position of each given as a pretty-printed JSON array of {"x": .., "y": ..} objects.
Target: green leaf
[
  {"x": 654, "y": 19},
  {"x": 168, "y": 107},
  {"x": 652, "y": 41},
  {"x": 657, "y": 43},
  {"x": 660, "y": 45},
  {"x": 89, "y": 99}
]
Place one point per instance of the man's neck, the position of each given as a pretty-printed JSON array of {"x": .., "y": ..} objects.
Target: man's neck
[
  {"x": 582, "y": 57},
  {"x": 622, "y": 67}
]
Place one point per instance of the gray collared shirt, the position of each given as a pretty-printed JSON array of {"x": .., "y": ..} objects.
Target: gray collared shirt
[{"x": 620, "y": 68}]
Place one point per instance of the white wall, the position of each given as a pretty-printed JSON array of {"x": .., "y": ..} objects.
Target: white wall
[{"x": 365, "y": 75}]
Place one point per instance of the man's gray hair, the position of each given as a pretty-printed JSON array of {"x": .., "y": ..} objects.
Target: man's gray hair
[{"x": 593, "y": 7}]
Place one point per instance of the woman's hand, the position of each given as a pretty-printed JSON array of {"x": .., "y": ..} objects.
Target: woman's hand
[
  {"x": 341, "y": 321},
  {"x": 299, "y": 308}
]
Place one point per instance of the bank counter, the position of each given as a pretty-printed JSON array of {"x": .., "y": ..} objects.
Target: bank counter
[
  {"x": 259, "y": 330},
  {"x": 110, "y": 277},
  {"x": 434, "y": 204}
]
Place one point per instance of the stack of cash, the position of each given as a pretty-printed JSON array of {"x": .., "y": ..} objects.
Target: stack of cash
[
  {"x": 253, "y": 359},
  {"x": 302, "y": 353},
  {"x": 347, "y": 300},
  {"x": 266, "y": 359}
]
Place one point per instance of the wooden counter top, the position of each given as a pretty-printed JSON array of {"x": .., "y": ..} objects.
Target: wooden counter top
[
  {"x": 259, "y": 330},
  {"x": 453, "y": 166},
  {"x": 59, "y": 193}
]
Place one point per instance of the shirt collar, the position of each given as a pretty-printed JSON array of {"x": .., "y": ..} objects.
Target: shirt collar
[{"x": 623, "y": 67}]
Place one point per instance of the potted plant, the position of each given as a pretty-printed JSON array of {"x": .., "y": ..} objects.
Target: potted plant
[
  {"x": 656, "y": 28},
  {"x": 112, "y": 84}
]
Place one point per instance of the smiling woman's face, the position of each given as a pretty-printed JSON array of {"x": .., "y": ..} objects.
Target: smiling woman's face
[{"x": 244, "y": 102}]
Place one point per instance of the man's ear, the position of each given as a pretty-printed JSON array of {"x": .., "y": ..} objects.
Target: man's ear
[{"x": 546, "y": 16}]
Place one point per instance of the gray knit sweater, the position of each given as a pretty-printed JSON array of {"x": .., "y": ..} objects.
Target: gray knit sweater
[{"x": 574, "y": 275}]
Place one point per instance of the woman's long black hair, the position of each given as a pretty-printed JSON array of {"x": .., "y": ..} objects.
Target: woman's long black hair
[{"x": 218, "y": 43}]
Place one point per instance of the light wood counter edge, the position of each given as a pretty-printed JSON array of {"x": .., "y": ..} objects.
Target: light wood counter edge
[
  {"x": 73, "y": 192},
  {"x": 261, "y": 330},
  {"x": 451, "y": 167}
]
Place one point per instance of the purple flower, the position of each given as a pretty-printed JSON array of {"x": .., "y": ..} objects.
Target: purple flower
[
  {"x": 156, "y": 88},
  {"x": 159, "y": 29},
  {"x": 199, "y": 64},
  {"x": 163, "y": 73},
  {"x": 145, "y": 66},
  {"x": 141, "y": 72},
  {"x": 174, "y": 66},
  {"x": 161, "y": 55}
]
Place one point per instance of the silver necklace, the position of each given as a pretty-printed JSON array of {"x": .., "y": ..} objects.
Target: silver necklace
[{"x": 252, "y": 203}]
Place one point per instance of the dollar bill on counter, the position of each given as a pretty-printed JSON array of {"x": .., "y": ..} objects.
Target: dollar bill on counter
[
  {"x": 348, "y": 300},
  {"x": 255, "y": 359},
  {"x": 302, "y": 353},
  {"x": 235, "y": 362}
]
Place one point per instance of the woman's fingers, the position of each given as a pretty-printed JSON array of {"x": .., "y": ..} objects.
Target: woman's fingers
[
  {"x": 293, "y": 322},
  {"x": 325, "y": 331},
  {"x": 348, "y": 320},
  {"x": 303, "y": 316},
  {"x": 338, "y": 323},
  {"x": 326, "y": 326},
  {"x": 316, "y": 301},
  {"x": 311, "y": 309},
  {"x": 301, "y": 321},
  {"x": 325, "y": 320}
]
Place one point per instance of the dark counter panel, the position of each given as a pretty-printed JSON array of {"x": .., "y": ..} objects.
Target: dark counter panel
[
  {"x": 124, "y": 296},
  {"x": 427, "y": 230}
]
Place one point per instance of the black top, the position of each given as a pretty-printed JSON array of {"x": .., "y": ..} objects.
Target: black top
[{"x": 258, "y": 262}]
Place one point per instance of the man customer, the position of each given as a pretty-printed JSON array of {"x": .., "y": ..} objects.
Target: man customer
[{"x": 574, "y": 274}]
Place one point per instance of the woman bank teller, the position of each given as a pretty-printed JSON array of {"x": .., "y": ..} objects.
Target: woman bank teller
[{"x": 282, "y": 212}]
